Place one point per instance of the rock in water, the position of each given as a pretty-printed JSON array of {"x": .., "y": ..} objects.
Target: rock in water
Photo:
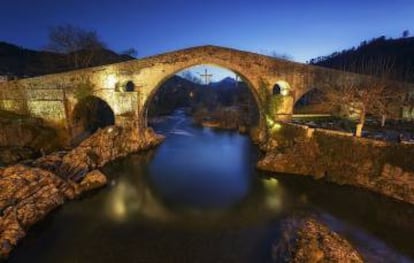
[
  {"x": 305, "y": 240},
  {"x": 27, "y": 195},
  {"x": 92, "y": 180}
]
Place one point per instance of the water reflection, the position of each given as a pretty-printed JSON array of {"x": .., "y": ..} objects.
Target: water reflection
[
  {"x": 273, "y": 193},
  {"x": 136, "y": 194},
  {"x": 131, "y": 196},
  {"x": 211, "y": 173}
]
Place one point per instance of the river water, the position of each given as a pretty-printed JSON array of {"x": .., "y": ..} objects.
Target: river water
[{"x": 198, "y": 198}]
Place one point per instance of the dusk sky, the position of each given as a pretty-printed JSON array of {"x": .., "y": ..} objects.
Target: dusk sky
[{"x": 301, "y": 29}]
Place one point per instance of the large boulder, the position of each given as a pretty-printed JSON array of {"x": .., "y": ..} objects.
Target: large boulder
[
  {"x": 105, "y": 145},
  {"x": 26, "y": 196},
  {"x": 306, "y": 240},
  {"x": 92, "y": 180}
]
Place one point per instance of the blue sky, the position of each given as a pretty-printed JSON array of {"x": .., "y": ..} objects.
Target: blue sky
[
  {"x": 217, "y": 73},
  {"x": 299, "y": 28}
]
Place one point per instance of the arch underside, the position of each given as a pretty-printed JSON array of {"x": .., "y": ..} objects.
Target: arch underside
[
  {"x": 88, "y": 115},
  {"x": 211, "y": 62}
]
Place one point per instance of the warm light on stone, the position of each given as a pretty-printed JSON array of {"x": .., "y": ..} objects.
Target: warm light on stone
[
  {"x": 284, "y": 92},
  {"x": 284, "y": 87},
  {"x": 110, "y": 81}
]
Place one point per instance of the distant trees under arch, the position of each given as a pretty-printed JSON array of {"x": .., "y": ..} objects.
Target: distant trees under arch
[{"x": 90, "y": 114}]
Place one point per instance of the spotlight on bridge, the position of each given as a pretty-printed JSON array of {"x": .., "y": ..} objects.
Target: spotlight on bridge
[
  {"x": 110, "y": 81},
  {"x": 284, "y": 92},
  {"x": 281, "y": 88},
  {"x": 274, "y": 126}
]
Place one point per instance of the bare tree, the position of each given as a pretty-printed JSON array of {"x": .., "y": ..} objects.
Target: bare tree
[
  {"x": 284, "y": 56},
  {"x": 79, "y": 45},
  {"x": 131, "y": 52},
  {"x": 405, "y": 33},
  {"x": 371, "y": 94}
]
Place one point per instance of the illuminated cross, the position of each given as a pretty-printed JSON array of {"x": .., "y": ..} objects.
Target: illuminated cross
[{"x": 206, "y": 76}]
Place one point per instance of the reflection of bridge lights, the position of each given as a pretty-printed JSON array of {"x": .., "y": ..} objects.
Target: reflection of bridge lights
[
  {"x": 119, "y": 208},
  {"x": 273, "y": 202},
  {"x": 273, "y": 194},
  {"x": 271, "y": 183},
  {"x": 127, "y": 200}
]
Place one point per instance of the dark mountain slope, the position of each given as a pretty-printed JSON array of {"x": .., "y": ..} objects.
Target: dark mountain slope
[
  {"x": 21, "y": 62},
  {"x": 398, "y": 52}
]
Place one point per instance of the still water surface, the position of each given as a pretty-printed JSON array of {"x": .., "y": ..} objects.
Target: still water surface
[{"x": 198, "y": 198}]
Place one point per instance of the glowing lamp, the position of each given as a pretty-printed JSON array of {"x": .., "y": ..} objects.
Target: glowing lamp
[
  {"x": 284, "y": 92},
  {"x": 276, "y": 127}
]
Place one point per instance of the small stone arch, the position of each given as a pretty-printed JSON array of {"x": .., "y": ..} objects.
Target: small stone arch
[
  {"x": 125, "y": 86},
  {"x": 130, "y": 86},
  {"x": 312, "y": 101},
  {"x": 281, "y": 87},
  {"x": 276, "y": 90},
  {"x": 88, "y": 115}
]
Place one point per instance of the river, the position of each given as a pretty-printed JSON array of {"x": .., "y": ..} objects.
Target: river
[{"x": 199, "y": 198}]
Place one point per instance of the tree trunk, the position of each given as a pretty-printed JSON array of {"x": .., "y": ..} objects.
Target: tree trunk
[
  {"x": 360, "y": 125},
  {"x": 383, "y": 119}
]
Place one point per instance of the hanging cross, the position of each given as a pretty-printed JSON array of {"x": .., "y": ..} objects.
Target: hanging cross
[{"x": 206, "y": 76}]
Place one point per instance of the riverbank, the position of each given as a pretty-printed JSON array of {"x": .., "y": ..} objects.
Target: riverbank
[
  {"x": 224, "y": 118},
  {"x": 382, "y": 167},
  {"x": 31, "y": 190}
]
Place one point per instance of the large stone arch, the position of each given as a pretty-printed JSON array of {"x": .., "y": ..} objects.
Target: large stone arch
[
  {"x": 247, "y": 77},
  {"x": 313, "y": 100}
]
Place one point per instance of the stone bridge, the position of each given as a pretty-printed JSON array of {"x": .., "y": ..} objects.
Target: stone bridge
[{"x": 128, "y": 87}]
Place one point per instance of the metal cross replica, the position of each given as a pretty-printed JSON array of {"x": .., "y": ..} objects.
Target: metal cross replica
[{"x": 207, "y": 77}]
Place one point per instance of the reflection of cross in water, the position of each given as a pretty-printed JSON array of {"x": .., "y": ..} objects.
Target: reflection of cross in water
[{"x": 206, "y": 76}]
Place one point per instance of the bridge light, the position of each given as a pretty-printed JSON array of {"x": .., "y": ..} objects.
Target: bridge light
[
  {"x": 110, "y": 81},
  {"x": 284, "y": 92},
  {"x": 281, "y": 88},
  {"x": 274, "y": 126}
]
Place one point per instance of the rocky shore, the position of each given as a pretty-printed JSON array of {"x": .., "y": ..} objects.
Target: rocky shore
[
  {"x": 29, "y": 191},
  {"x": 306, "y": 240},
  {"x": 226, "y": 118}
]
